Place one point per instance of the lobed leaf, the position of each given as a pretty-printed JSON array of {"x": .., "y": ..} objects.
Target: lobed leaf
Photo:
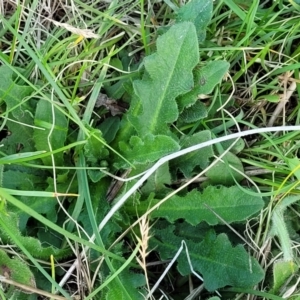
[
  {"x": 214, "y": 258},
  {"x": 33, "y": 245},
  {"x": 149, "y": 149},
  {"x": 94, "y": 149},
  {"x": 194, "y": 113},
  {"x": 15, "y": 269},
  {"x": 206, "y": 78},
  {"x": 231, "y": 204},
  {"x": 190, "y": 161},
  {"x": 198, "y": 12},
  {"x": 169, "y": 74}
]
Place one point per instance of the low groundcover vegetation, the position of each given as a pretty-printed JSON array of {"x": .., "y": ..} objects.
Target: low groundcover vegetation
[{"x": 149, "y": 150}]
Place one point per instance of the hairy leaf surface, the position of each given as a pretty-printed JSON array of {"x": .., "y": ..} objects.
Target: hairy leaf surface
[
  {"x": 169, "y": 74},
  {"x": 188, "y": 162},
  {"x": 17, "y": 270},
  {"x": 206, "y": 78},
  {"x": 33, "y": 245},
  {"x": 149, "y": 149},
  {"x": 194, "y": 113},
  {"x": 214, "y": 258},
  {"x": 94, "y": 149},
  {"x": 199, "y": 12},
  {"x": 282, "y": 271},
  {"x": 231, "y": 204}
]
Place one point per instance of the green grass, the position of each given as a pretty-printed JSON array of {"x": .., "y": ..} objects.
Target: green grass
[{"x": 101, "y": 198}]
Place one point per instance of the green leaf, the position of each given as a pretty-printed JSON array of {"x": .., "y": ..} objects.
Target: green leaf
[
  {"x": 231, "y": 204},
  {"x": 169, "y": 74},
  {"x": 210, "y": 75},
  {"x": 282, "y": 271},
  {"x": 95, "y": 175},
  {"x": 214, "y": 258},
  {"x": 206, "y": 78},
  {"x": 20, "y": 138},
  {"x": 126, "y": 128},
  {"x": 94, "y": 149},
  {"x": 116, "y": 90},
  {"x": 279, "y": 226},
  {"x": 236, "y": 148},
  {"x": 109, "y": 128},
  {"x": 116, "y": 63},
  {"x": 15, "y": 269},
  {"x": 14, "y": 180},
  {"x": 12, "y": 93},
  {"x": 96, "y": 154},
  {"x": 269, "y": 98},
  {"x": 294, "y": 165},
  {"x": 190, "y": 161},
  {"x": 150, "y": 149},
  {"x": 221, "y": 173},
  {"x": 198, "y": 12},
  {"x": 44, "y": 119},
  {"x": 20, "y": 178},
  {"x": 132, "y": 282},
  {"x": 194, "y": 113},
  {"x": 101, "y": 207},
  {"x": 195, "y": 233},
  {"x": 156, "y": 182},
  {"x": 31, "y": 244},
  {"x": 23, "y": 179}
]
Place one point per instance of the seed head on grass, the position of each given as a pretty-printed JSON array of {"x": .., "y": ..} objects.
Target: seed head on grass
[{"x": 143, "y": 240}]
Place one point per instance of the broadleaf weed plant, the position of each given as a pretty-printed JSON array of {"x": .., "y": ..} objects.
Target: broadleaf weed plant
[{"x": 149, "y": 150}]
